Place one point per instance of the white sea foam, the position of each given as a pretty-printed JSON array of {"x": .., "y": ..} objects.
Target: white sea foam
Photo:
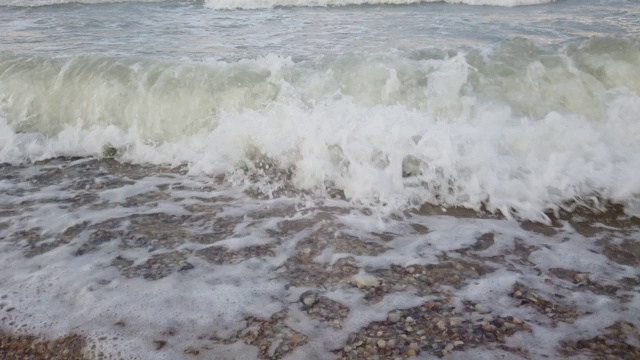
[
  {"x": 262, "y": 4},
  {"x": 58, "y": 293}
]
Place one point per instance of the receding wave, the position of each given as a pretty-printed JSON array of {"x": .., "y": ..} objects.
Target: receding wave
[
  {"x": 36, "y": 3},
  {"x": 520, "y": 130},
  {"x": 261, "y": 4}
]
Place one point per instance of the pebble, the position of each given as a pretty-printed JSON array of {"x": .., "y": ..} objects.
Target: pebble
[
  {"x": 458, "y": 343},
  {"x": 518, "y": 321},
  {"x": 409, "y": 319},
  {"x": 191, "y": 351},
  {"x": 381, "y": 344},
  {"x": 482, "y": 309},
  {"x": 309, "y": 300},
  {"x": 411, "y": 352},
  {"x": 347, "y": 348},
  {"x": 394, "y": 316},
  {"x": 414, "y": 346},
  {"x": 391, "y": 344},
  {"x": 364, "y": 280},
  {"x": 274, "y": 346},
  {"x": 582, "y": 277},
  {"x": 449, "y": 347},
  {"x": 488, "y": 327}
]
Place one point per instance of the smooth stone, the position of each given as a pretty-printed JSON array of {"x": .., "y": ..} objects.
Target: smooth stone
[
  {"x": 364, "y": 280},
  {"x": 309, "y": 300},
  {"x": 394, "y": 316},
  {"x": 482, "y": 309}
]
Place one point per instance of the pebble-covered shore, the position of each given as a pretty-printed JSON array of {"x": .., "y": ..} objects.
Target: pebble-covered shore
[{"x": 446, "y": 318}]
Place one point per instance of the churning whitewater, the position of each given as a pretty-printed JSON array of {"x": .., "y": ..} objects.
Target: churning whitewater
[{"x": 520, "y": 129}]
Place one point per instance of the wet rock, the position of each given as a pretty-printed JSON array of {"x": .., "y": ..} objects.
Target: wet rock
[
  {"x": 364, "y": 280},
  {"x": 426, "y": 329},
  {"x": 394, "y": 316},
  {"x": 186, "y": 267},
  {"x": 324, "y": 309}
]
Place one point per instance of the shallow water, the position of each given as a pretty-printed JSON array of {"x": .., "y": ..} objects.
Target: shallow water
[
  {"x": 269, "y": 180},
  {"x": 130, "y": 256}
]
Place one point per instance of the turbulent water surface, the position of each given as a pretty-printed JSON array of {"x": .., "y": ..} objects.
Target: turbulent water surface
[{"x": 177, "y": 177}]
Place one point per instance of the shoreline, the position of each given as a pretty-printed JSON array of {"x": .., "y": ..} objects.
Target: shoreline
[{"x": 119, "y": 251}]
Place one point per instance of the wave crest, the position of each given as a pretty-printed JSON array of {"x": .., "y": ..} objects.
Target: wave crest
[
  {"x": 517, "y": 132},
  {"x": 265, "y": 4}
]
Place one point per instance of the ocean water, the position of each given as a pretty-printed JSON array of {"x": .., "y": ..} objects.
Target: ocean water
[{"x": 162, "y": 162}]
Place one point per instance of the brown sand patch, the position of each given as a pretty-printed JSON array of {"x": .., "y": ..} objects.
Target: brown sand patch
[
  {"x": 613, "y": 344},
  {"x": 28, "y": 347}
]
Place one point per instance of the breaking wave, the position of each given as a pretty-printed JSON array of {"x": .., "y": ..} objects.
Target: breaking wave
[
  {"x": 261, "y": 4},
  {"x": 520, "y": 130}
]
